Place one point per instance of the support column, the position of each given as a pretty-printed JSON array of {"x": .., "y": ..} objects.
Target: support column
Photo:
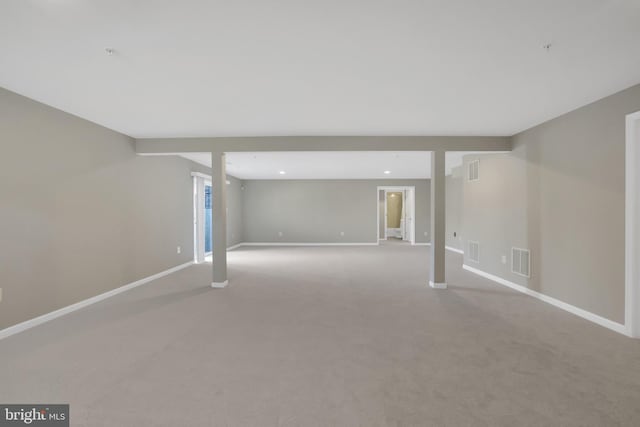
[
  {"x": 438, "y": 220},
  {"x": 219, "y": 219}
]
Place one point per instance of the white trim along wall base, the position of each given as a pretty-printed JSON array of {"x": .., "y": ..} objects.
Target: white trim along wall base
[
  {"x": 219, "y": 285},
  {"x": 437, "y": 285},
  {"x": 28, "y": 324},
  {"x": 303, "y": 244},
  {"x": 330, "y": 244},
  {"x": 610, "y": 324}
]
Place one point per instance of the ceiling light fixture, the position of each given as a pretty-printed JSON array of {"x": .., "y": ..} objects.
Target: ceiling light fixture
[
  {"x": 282, "y": 172},
  {"x": 387, "y": 172},
  {"x": 109, "y": 50}
]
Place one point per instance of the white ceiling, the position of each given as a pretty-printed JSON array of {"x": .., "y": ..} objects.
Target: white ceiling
[
  {"x": 330, "y": 164},
  {"x": 382, "y": 67}
]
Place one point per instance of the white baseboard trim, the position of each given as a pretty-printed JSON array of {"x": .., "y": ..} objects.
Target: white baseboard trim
[
  {"x": 452, "y": 249},
  {"x": 306, "y": 244},
  {"x": 610, "y": 324},
  {"x": 28, "y": 324},
  {"x": 219, "y": 284},
  {"x": 313, "y": 244},
  {"x": 442, "y": 285}
]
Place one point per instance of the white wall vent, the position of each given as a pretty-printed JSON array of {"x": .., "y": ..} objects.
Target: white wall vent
[
  {"x": 521, "y": 262},
  {"x": 473, "y": 171},
  {"x": 474, "y": 251}
]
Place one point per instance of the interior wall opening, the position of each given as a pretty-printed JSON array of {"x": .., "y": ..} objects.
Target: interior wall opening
[{"x": 396, "y": 215}]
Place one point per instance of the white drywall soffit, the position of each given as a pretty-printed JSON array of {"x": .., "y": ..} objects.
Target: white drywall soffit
[
  {"x": 324, "y": 164},
  {"x": 204, "y": 68},
  {"x": 331, "y": 164}
]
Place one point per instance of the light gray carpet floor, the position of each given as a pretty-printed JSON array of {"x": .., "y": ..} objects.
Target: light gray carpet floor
[{"x": 326, "y": 336}]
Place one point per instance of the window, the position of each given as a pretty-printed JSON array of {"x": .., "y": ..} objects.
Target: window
[
  {"x": 473, "y": 172},
  {"x": 521, "y": 262}
]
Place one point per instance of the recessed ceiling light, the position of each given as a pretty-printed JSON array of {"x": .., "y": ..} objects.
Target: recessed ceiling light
[
  {"x": 109, "y": 50},
  {"x": 387, "y": 172},
  {"x": 282, "y": 172}
]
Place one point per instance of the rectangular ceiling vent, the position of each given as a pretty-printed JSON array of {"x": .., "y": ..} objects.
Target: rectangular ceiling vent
[
  {"x": 521, "y": 262},
  {"x": 473, "y": 172},
  {"x": 474, "y": 251}
]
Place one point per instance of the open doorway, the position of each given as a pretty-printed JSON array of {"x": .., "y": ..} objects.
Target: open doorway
[{"x": 396, "y": 215}]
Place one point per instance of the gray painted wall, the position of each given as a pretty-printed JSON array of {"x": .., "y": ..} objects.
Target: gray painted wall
[
  {"x": 454, "y": 209},
  {"x": 318, "y": 210},
  {"x": 560, "y": 193},
  {"x": 235, "y": 211},
  {"x": 80, "y": 213},
  {"x": 494, "y": 212}
]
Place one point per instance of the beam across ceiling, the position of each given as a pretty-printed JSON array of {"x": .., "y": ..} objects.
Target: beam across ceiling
[{"x": 159, "y": 146}]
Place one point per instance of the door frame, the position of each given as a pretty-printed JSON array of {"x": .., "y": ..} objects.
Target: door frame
[
  {"x": 632, "y": 225},
  {"x": 200, "y": 180},
  {"x": 386, "y": 211},
  {"x": 392, "y": 189}
]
